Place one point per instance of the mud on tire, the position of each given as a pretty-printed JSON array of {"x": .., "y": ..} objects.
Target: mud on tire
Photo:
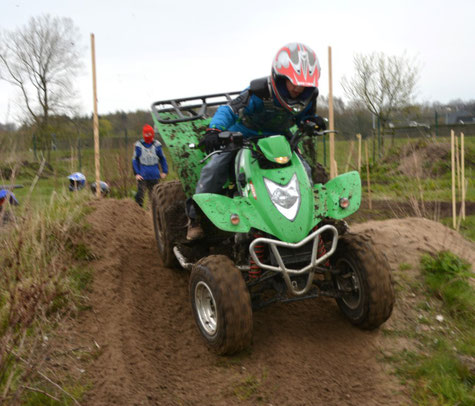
[
  {"x": 168, "y": 212},
  {"x": 221, "y": 304},
  {"x": 367, "y": 269}
]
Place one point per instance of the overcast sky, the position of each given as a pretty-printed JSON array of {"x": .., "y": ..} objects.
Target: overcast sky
[{"x": 154, "y": 50}]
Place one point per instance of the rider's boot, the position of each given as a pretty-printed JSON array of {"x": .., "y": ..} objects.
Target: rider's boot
[{"x": 194, "y": 231}]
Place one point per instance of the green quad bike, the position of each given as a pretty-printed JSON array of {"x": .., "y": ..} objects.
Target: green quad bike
[{"x": 271, "y": 236}]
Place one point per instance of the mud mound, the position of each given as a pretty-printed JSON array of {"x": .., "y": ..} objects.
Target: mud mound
[
  {"x": 304, "y": 353},
  {"x": 405, "y": 240}
]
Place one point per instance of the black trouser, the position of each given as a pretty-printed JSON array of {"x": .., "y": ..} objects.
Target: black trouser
[{"x": 142, "y": 185}]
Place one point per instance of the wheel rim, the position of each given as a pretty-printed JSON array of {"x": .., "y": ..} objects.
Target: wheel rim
[
  {"x": 349, "y": 279},
  {"x": 206, "y": 308}
]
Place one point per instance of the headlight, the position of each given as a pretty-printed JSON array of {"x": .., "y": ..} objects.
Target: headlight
[
  {"x": 286, "y": 198},
  {"x": 282, "y": 159}
]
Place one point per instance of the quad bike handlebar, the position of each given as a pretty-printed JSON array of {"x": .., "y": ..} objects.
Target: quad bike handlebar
[{"x": 233, "y": 141}]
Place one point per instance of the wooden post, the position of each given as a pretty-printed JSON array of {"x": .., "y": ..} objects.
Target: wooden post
[
  {"x": 330, "y": 115},
  {"x": 96, "y": 120},
  {"x": 359, "y": 152},
  {"x": 452, "y": 148},
  {"x": 367, "y": 174},
  {"x": 462, "y": 162},
  {"x": 350, "y": 154},
  {"x": 457, "y": 165}
]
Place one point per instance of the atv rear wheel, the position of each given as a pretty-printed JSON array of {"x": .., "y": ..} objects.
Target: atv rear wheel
[
  {"x": 365, "y": 278},
  {"x": 168, "y": 205},
  {"x": 221, "y": 304}
]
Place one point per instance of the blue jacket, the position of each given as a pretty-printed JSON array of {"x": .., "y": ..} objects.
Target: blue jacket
[
  {"x": 257, "y": 112},
  {"x": 146, "y": 158}
]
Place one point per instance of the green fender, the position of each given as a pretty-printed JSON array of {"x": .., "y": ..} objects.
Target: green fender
[
  {"x": 327, "y": 196},
  {"x": 219, "y": 208}
]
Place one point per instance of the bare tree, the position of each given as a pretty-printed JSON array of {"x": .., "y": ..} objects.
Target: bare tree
[
  {"x": 42, "y": 58},
  {"x": 385, "y": 84}
]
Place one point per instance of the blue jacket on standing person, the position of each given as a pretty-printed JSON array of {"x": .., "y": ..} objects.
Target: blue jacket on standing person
[{"x": 147, "y": 155}]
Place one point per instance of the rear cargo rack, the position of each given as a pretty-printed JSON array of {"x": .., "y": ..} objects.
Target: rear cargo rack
[{"x": 189, "y": 108}]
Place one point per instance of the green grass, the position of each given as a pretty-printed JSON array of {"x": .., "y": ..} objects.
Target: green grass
[
  {"x": 250, "y": 387},
  {"x": 448, "y": 278},
  {"x": 440, "y": 371},
  {"x": 404, "y": 266},
  {"x": 467, "y": 226},
  {"x": 44, "y": 275},
  {"x": 40, "y": 399},
  {"x": 437, "y": 378}
]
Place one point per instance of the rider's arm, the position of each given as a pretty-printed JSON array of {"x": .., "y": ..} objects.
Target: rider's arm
[
  {"x": 223, "y": 118},
  {"x": 227, "y": 115}
]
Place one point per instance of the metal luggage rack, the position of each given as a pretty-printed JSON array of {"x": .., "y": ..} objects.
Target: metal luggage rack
[{"x": 188, "y": 108}]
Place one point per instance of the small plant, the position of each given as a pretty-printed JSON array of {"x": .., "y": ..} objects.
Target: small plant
[
  {"x": 249, "y": 387},
  {"x": 404, "y": 266}
]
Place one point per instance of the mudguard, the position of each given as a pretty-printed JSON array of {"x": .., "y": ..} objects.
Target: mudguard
[
  {"x": 219, "y": 208},
  {"x": 327, "y": 196}
]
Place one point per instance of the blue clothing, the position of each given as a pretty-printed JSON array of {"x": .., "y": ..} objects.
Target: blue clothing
[
  {"x": 5, "y": 193},
  {"x": 146, "y": 159},
  {"x": 255, "y": 112}
]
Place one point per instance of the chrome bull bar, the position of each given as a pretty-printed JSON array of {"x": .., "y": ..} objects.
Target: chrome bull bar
[{"x": 286, "y": 272}]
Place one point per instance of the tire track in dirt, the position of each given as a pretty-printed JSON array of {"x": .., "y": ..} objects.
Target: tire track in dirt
[{"x": 303, "y": 353}]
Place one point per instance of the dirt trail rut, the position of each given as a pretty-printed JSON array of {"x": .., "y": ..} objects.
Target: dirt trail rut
[{"x": 303, "y": 353}]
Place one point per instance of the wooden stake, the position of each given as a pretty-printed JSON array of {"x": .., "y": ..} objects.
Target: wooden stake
[
  {"x": 367, "y": 174},
  {"x": 457, "y": 162},
  {"x": 462, "y": 161},
  {"x": 330, "y": 115},
  {"x": 350, "y": 154},
  {"x": 452, "y": 148},
  {"x": 359, "y": 152},
  {"x": 96, "y": 120}
]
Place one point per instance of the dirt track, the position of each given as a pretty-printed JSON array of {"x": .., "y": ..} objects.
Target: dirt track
[{"x": 303, "y": 353}]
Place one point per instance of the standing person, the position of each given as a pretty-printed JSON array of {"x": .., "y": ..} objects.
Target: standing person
[
  {"x": 269, "y": 106},
  {"x": 147, "y": 155}
]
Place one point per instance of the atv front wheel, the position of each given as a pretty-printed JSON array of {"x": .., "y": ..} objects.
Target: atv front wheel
[
  {"x": 168, "y": 211},
  {"x": 364, "y": 281},
  {"x": 221, "y": 304}
]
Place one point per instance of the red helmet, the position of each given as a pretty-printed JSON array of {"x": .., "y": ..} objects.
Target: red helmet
[
  {"x": 299, "y": 64},
  {"x": 148, "y": 133}
]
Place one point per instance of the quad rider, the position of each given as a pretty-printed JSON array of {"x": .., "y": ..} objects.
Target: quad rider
[{"x": 269, "y": 106}]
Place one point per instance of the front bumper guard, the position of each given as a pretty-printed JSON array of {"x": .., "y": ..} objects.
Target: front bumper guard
[{"x": 287, "y": 272}]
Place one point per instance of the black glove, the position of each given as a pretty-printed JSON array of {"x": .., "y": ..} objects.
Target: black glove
[
  {"x": 315, "y": 123},
  {"x": 211, "y": 140}
]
